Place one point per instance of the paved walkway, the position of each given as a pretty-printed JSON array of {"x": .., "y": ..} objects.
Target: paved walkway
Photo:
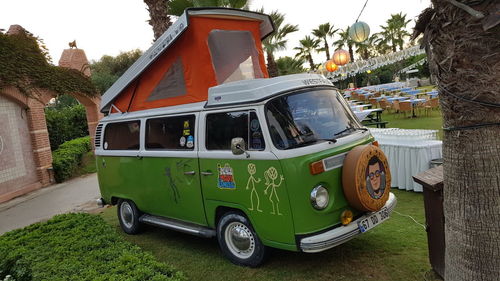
[{"x": 76, "y": 195}]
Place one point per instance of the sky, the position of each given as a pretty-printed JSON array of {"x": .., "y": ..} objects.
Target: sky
[{"x": 108, "y": 27}]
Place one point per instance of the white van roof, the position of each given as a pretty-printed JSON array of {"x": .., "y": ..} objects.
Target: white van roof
[
  {"x": 235, "y": 93},
  {"x": 247, "y": 91}
]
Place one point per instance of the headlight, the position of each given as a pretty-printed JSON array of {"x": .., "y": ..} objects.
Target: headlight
[{"x": 319, "y": 197}]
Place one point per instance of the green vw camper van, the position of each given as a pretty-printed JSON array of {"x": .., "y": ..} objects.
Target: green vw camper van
[{"x": 260, "y": 162}]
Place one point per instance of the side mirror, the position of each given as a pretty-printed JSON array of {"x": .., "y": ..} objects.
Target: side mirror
[{"x": 238, "y": 146}]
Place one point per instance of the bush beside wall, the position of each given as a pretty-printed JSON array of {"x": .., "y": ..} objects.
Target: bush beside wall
[
  {"x": 76, "y": 247},
  {"x": 68, "y": 156},
  {"x": 65, "y": 124}
]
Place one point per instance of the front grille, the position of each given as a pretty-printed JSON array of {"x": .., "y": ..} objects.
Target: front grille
[{"x": 98, "y": 133}]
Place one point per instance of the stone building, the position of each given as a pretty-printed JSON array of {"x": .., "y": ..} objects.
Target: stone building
[{"x": 25, "y": 155}]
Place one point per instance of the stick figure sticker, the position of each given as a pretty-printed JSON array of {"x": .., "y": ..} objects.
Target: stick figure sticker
[
  {"x": 251, "y": 184},
  {"x": 271, "y": 176}
]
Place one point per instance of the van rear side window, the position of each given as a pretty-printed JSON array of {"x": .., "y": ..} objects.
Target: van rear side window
[
  {"x": 170, "y": 133},
  {"x": 122, "y": 136}
]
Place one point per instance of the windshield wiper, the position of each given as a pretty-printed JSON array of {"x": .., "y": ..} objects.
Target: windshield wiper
[
  {"x": 334, "y": 140},
  {"x": 351, "y": 128},
  {"x": 310, "y": 142}
]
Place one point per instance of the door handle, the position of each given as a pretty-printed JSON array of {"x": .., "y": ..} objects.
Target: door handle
[
  {"x": 190, "y": 173},
  {"x": 207, "y": 173}
]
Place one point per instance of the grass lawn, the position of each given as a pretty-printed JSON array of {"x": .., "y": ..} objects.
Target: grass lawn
[{"x": 396, "y": 250}]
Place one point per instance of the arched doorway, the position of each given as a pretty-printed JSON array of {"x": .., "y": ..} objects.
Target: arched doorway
[{"x": 26, "y": 157}]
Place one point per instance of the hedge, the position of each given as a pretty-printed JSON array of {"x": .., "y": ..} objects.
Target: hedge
[
  {"x": 68, "y": 156},
  {"x": 77, "y": 247},
  {"x": 65, "y": 124}
]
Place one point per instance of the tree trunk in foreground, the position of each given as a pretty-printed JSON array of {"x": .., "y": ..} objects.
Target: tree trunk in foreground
[
  {"x": 466, "y": 62},
  {"x": 159, "y": 18}
]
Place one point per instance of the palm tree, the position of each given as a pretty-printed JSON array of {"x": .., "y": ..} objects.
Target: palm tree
[
  {"x": 308, "y": 45},
  {"x": 470, "y": 102},
  {"x": 159, "y": 16},
  {"x": 288, "y": 65},
  {"x": 345, "y": 40},
  {"x": 323, "y": 32},
  {"x": 395, "y": 31},
  {"x": 177, "y": 7},
  {"x": 276, "y": 41},
  {"x": 366, "y": 49},
  {"x": 380, "y": 44}
]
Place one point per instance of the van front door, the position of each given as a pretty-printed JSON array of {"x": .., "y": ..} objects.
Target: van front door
[
  {"x": 252, "y": 182},
  {"x": 171, "y": 169}
]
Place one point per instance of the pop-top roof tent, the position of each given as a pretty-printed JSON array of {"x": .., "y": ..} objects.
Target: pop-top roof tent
[{"x": 203, "y": 48}]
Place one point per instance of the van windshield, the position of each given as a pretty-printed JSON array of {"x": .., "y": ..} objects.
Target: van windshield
[{"x": 305, "y": 118}]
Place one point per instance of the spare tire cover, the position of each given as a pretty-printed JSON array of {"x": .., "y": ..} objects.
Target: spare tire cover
[{"x": 366, "y": 178}]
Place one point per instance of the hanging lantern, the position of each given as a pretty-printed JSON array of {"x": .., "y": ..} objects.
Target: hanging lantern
[
  {"x": 331, "y": 66},
  {"x": 359, "y": 31},
  {"x": 341, "y": 57}
]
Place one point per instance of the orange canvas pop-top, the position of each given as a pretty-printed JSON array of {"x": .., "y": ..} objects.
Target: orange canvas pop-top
[{"x": 204, "y": 48}]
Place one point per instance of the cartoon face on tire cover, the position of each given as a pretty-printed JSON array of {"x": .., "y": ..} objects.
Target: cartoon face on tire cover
[{"x": 375, "y": 178}]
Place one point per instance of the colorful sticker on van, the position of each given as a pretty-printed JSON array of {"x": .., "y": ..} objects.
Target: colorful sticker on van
[{"x": 226, "y": 177}]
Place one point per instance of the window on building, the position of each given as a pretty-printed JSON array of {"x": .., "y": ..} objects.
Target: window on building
[
  {"x": 122, "y": 136},
  {"x": 234, "y": 55},
  {"x": 223, "y": 127},
  {"x": 175, "y": 133}
]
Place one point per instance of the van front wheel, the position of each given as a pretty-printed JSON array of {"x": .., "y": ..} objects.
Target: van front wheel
[
  {"x": 128, "y": 215},
  {"x": 238, "y": 240}
]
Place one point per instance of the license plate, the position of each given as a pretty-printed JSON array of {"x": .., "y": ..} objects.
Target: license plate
[{"x": 371, "y": 221}]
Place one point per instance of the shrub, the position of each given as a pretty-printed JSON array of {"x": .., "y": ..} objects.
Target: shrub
[
  {"x": 68, "y": 156},
  {"x": 65, "y": 124},
  {"x": 76, "y": 247}
]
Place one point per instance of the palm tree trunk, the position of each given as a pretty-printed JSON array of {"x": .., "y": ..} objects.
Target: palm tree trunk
[
  {"x": 465, "y": 60},
  {"x": 351, "y": 53},
  {"x": 311, "y": 62},
  {"x": 272, "y": 68},
  {"x": 159, "y": 18},
  {"x": 327, "y": 50}
]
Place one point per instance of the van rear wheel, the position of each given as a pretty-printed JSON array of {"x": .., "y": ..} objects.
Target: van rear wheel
[
  {"x": 128, "y": 215},
  {"x": 238, "y": 240}
]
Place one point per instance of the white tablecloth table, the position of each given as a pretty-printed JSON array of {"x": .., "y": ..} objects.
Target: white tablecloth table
[
  {"x": 408, "y": 152},
  {"x": 364, "y": 113}
]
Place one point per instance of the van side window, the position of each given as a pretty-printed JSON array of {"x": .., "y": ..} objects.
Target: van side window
[
  {"x": 170, "y": 133},
  {"x": 122, "y": 136},
  {"x": 223, "y": 127}
]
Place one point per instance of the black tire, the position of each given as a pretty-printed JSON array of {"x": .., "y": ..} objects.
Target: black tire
[
  {"x": 128, "y": 216},
  {"x": 245, "y": 249}
]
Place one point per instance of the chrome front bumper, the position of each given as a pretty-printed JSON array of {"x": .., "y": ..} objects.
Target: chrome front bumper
[{"x": 339, "y": 235}]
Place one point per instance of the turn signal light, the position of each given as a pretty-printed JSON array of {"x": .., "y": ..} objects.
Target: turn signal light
[
  {"x": 375, "y": 143},
  {"x": 316, "y": 167},
  {"x": 346, "y": 217}
]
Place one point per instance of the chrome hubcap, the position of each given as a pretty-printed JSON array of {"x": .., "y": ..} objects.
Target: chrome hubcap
[
  {"x": 127, "y": 214},
  {"x": 240, "y": 240}
]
